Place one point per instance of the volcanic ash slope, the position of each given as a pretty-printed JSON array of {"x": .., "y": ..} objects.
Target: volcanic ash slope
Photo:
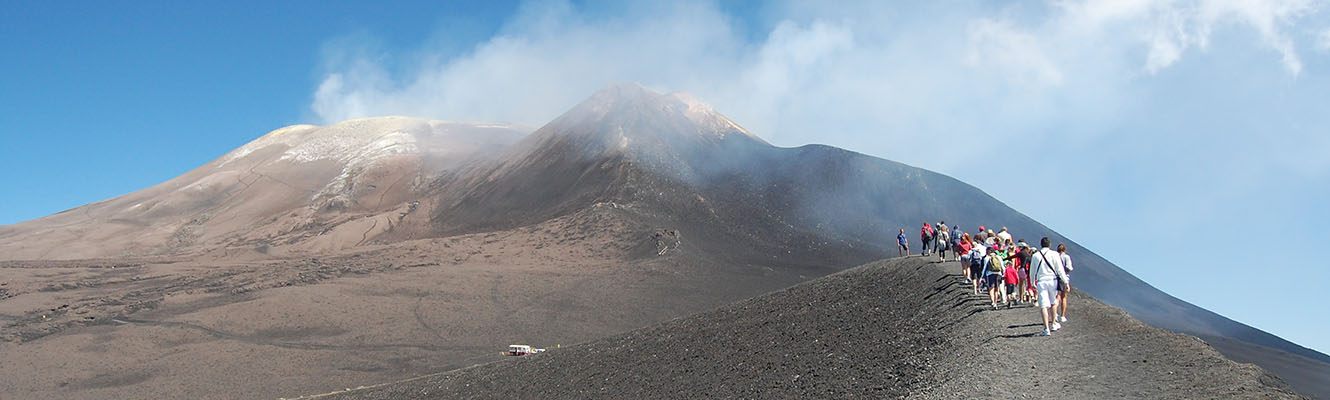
[{"x": 897, "y": 328}]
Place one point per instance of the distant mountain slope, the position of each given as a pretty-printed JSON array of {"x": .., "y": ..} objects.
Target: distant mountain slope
[
  {"x": 299, "y": 184},
  {"x": 726, "y": 197},
  {"x": 890, "y": 329}
]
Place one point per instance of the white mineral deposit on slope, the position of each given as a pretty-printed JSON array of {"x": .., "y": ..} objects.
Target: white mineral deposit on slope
[
  {"x": 347, "y": 141},
  {"x": 351, "y": 141},
  {"x": 702, "y": 114},
  {"x": 281, "y": 135},
  {"x": 360, "y": 158}
]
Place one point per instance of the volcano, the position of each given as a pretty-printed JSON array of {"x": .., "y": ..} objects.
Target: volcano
[{"x": 385, "y": 248}]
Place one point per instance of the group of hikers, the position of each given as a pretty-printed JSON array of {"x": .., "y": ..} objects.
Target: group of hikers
[{"x": 1009, "y": 272}]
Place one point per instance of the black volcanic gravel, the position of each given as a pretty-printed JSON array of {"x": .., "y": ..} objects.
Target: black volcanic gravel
[{"x": 896, "y": 328}]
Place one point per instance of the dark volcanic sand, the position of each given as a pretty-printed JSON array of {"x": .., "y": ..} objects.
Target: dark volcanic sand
[{"x": 896, "y": 328}]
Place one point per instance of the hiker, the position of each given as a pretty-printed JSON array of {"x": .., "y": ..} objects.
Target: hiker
[
  {"x": 963, "y": 250},
  {"x": 1011, "y": 282},
  {"x": 1028, "y": 280},
  {"x": 994, "y": 264},
  {"x": 977, "y": 253},
  {"x": 1004, "y": 236},
  {"x": 981, "y": 236},
  {"x": 1046, "y": 269},
  {"x": 990, "y": 239},
  {"x": 902, "y": 244},
  {"x": 956, "y": 236},
  {"x": 943, "y": 241},
  {"x": 1064, "y": 285},
  {"x": 925, "y": 238},
  {"x": 1020, "y": 260}
]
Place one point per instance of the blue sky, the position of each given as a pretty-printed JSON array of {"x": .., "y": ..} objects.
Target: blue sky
[{"x": 1187, "y": 139}]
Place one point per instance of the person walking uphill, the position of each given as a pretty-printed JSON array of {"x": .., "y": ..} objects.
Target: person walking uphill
[
  {"x": 956, "y": 237},
  {"x": 902, "y": 244},
  {"x": 1009, "y": 282},
  {"x": 1046, "y": 269},
  {"x": 977, "y": 254},
  {"x": 943, "y": 241},
  {"x": 994, "y": 265},
  {"x": 925, "y": 238},
  {"x": 1064, "y": 286},
  {"x": 963, "y": 250}
]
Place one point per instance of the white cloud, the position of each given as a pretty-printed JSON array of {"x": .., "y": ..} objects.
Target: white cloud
[
  {"x": 544, "y": 60},
  {"x": 1323, "y": 40},
  {"x": 1170, "y": 28},
  {"x": 859, "y": 75},
  {"x": 1269, "y": 18},
  {"x": 1017, "y": 55}
]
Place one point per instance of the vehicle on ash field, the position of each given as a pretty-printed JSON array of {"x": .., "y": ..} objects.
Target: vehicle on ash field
[{"x": 521, "y": 350}]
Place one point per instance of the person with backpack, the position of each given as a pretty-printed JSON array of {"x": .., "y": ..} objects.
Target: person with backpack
[
  {"x": 1046, "y": 268},
  {"x": 1064, "y": 286},
  {"x": 925, "y": 238},
  {"x": 902, "y": 244},
  {"x": 994, "y": 264},
  {"x": 977, "y": 253},
  {"x": 943, "y": 241}
]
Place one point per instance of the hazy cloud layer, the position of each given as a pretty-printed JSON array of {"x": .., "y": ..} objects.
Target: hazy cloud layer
[{"x": 1162, "y": 120}]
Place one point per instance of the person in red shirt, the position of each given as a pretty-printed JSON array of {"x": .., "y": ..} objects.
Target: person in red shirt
[
  {"x": 1011, "y": 280},
  {"x": 964, "y": 253},
  {"x": 926, "y": 237}
]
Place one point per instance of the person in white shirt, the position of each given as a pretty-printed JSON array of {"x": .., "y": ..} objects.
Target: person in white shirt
[
  {"x": 977, "y": 254},
  {"x": 1062, "y": 294},
  {"x": 1004, "y": 235},
  {"x": 1046, "y": 269}
]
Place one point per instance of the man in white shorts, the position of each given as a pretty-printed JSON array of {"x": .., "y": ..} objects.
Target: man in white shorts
[{"x": 1046, "y": 268}]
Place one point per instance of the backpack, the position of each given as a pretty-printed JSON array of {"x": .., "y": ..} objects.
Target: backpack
[
  {"x": 995, "y": 262},
  {"x": 976, "y": 262}
]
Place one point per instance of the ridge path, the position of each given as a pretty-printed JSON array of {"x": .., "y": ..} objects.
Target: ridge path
[{"x": 899, "y": 328}]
